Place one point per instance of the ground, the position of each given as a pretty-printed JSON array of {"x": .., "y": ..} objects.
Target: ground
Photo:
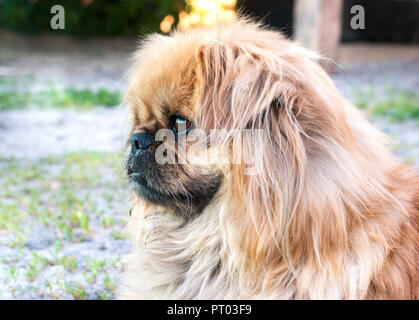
[{"x": 64, "y": 198}]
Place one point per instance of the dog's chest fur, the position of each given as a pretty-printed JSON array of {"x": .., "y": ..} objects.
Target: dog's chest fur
[{"x": 176, "y": 260}]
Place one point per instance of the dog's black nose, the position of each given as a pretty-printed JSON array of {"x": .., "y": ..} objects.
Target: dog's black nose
[{"x": 141, "y": 141}]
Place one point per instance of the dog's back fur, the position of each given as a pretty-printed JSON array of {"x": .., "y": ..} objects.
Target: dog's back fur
[{"x": 333, "y": 215}]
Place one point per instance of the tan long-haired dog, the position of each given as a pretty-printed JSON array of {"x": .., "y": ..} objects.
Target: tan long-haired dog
[{"x": 327, "y": 211}]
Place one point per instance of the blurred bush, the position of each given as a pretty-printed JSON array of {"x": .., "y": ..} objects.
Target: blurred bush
[{"x": 88, "y": 17}]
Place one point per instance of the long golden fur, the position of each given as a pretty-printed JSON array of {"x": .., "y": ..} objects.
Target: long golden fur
[{"x": 331, "y": 214}]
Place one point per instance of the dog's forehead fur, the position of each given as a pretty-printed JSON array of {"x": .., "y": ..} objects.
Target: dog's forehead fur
[
  {"x": 166, "y": 76},
  {"x": 164, "y": 81}
]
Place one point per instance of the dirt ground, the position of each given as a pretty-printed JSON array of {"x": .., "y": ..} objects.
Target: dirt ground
[{"x": 39, "y": 133}]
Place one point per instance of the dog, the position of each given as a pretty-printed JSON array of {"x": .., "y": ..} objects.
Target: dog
[{"x": 326, "y": 211}]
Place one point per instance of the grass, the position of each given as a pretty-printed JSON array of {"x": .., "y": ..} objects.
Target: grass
[
  {"x": 107, "y": 221},
  {"x": 76, "y": 290},
  {"x": 53, "y": 96},
  {"x": 94, "y": 265},
  {"x": 37, "y": 264},
  {"x": 61, "y": 203},
  {"x": 69, "y": 263},
  {"x": 11, "y": 272},
  {"x": 397, "y": 105},
  {"x": 68, "y": 196},
  {"x": 118, "y": 234},
  {"x": 59, "y": 98}
]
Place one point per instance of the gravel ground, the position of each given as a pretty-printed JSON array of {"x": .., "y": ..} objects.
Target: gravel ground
[
  {"x": 33, "y": 134},
  {"x": 382, "y": 75},
  {"x": 64, "y": 203},
  {"x": 90, "y": 63},
  {"x": 61, "y": 167},
  {"x": 62, "y": 226}
]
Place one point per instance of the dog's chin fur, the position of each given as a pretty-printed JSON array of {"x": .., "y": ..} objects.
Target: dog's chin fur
[{"x": 330, "y": 214}]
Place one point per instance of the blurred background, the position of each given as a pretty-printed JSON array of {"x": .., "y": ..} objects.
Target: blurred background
[{"x": 63, "y": 198}]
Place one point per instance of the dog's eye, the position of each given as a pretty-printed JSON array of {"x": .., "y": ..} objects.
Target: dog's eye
[{"x": 180, "y": 125}]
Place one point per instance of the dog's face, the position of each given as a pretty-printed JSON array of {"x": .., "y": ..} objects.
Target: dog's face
[
  {"x": 164, "y": 98},
  {"x": 212, "y": 79},
  {"x": 182, "y": 188}
]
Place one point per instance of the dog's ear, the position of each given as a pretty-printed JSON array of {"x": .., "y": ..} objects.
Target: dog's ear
[
  {"x": 292, "y": 109},
  {"x": 244, "y": 93},
  {"x": 236, "y": 86}
]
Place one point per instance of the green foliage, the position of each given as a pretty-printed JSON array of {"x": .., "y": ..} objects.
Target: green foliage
[
  {"x": 118, "y": 234},
  {"x": 60, "y": 206},
  {"x": 69, "y": 263},
  {"x": 396, "y": 105},
  {"x": 36, "y": 265},
  {"x": 106, "y": 17},
  {"x": 107, "y": 221},
  {"x": 60, "y": 193},
  {"x": 76, "y": 290},
  {"x": 59, "y": 98}
]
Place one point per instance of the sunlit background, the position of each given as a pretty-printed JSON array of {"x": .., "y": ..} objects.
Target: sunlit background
[
  {"x": 63, "y": 196},
  {"x": 201, "y": 13}
]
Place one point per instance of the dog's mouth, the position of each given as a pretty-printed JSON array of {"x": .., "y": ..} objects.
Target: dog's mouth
[
  {"x": 186, "y": 203},
  {"x": 171, "y": 187},
  {"x": 179, "y": 203},
  {"x": 137, "y": 178},
  {"x": 145, "y": 189}
]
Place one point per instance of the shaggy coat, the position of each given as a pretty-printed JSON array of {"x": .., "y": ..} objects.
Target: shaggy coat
[{"x": 330, "y": 214}]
